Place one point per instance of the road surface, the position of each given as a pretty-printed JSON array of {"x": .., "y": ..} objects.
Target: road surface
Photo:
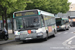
[{"x": 64, "y": 40}]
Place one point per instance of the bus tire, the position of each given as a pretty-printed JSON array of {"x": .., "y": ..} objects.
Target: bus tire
[
  {"x": 55, "y": 31},
  {"x": 65, "y": 29},
  {"x": 68, "y": 28},
  {"x": 53, "y": 35},
  {"x": 24, "y": 41},
  {"x": 46, "y": 38}
]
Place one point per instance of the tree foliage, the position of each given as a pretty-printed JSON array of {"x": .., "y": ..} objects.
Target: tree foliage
[
  {"x": 7, "y": 7},
  {"x": 12, "y": 5},
  {"x": 52, "y": 6}
]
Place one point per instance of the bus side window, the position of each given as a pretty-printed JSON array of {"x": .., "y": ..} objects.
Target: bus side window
[{"x": 42, "y": 19}]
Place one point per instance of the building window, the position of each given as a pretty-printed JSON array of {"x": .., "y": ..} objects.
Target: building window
[{"x": 71, "y": 7}]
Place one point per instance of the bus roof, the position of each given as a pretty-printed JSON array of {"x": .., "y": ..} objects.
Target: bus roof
[
  {"x": 57, "y": 17},
  {"x": 62, "y": 18},
  {"x": 38, "y": 11},
  {"x": 26, "y": 10},
  {"x": 46, "y": 13}
]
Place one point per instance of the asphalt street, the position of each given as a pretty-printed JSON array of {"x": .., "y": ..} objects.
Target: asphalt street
[{"x": 64, "y": 40}]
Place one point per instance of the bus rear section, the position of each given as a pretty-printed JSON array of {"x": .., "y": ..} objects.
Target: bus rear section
[
  {"x": 62, "y": 24},
  {"x": 34, "y": 26}
]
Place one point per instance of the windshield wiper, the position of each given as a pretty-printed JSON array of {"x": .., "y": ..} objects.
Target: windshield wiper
[
  {"x": 21, "y": 29},
  {"x": 31, "y": 26}
]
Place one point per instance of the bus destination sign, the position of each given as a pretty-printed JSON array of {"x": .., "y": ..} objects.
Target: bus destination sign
[{"x": 25, "y": 13}]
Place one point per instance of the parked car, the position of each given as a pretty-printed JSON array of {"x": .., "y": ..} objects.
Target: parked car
[{"x": 3, "y": 34}]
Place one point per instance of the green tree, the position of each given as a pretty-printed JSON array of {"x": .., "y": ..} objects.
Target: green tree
[
  {"x": 52, "y": 6},
  {"x": 9, "y": 6},
  {"x": 65, "y": 6}
]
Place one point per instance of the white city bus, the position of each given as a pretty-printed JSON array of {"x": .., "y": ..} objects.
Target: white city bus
[
  {"x": 34, "y": 24},
  {"x": 62, "y": 23}
]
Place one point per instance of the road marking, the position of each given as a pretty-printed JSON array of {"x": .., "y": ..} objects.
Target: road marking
[
  {"x": 69, "y": 42},
  {"x": 65, "y": 43}
]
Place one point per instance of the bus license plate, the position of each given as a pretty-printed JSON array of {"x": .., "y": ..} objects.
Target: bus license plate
[{"x": 28, "y": 38}]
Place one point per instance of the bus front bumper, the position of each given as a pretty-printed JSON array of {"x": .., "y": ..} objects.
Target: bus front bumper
[
  {"x": 31, "y": 36},
  {"x": 38, "y": 37},
  {"x": 61, "y": 28}
]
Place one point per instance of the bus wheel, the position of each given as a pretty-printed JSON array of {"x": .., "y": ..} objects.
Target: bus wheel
[
  {"x": 68, "y": 28},
  {"x": 71, "y": 25},
  {"x": 6, "y": 38},
  {"x": 24, "y": 41},
  {"x": 45, "y": 39},
  {"x": 54, "y": 34},
  {"x": 55, "y": 31},
  {"x": 65, "y": 29}
]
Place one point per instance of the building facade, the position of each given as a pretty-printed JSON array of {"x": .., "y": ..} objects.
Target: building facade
[
  {"x": 72, "y": 7},
  {"x": 70, "y": 13}
]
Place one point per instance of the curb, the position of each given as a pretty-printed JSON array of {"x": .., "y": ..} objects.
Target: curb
[{"x": 5, "y": 42}]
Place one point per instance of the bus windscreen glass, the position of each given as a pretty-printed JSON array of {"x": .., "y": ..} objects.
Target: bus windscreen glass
[{"x": 58, "y": 22}]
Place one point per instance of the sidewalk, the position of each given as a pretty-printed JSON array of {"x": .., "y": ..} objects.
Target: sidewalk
[{"x": 11, "y": 39}]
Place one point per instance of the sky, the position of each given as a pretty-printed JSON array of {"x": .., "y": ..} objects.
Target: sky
[{"x": 73, "y": 1}]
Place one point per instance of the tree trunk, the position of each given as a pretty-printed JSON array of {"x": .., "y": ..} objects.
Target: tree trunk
[
  {"x": 3, "y": 20},
  {"x": 6, "y": 20},
  {"x": 12, "y": 26}
]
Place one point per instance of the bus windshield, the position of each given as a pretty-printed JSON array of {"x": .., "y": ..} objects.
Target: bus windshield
[
  {"x": 28, "y": 23},
  {"x": 58, "y": 22},
  {"x": 19, "y": 23},
  {"x": 31, "y": 22}
]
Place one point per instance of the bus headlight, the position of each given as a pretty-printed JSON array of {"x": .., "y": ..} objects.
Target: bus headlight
[
  {"x": 63, "y": 26},
  {"x": 40, "y": 33},
  {"x": 33, "y": 31},
  {"x": 17, "y": 33}
]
